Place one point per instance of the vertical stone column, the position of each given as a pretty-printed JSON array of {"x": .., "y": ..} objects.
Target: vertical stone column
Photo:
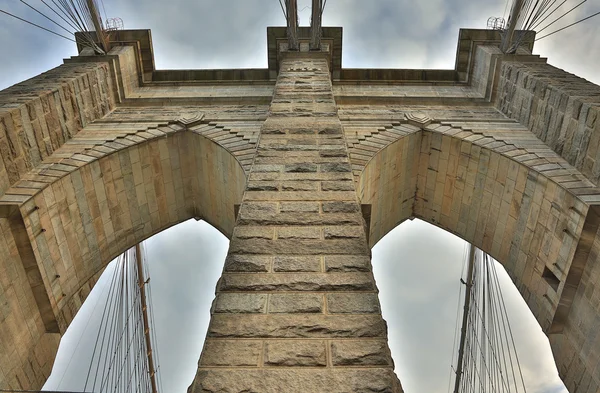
[{"x": 297, "y": 308}]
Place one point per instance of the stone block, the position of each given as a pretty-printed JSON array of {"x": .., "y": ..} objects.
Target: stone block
[
  {"x": 287, "y": 263},
  {"x": 299, "y": 233},
  {"x": 296, "y": 303},
  {"x": 253, "y": 232},
  {"x": 301, "y": 168},
  {"x": 240, "y": 303},
  {"x": 247, "y": 263},
  {"x": 277, "y": 380},
  {"x": 360, "y": 353},
  {"x": 337, "y": 186},
  {"x": 336, "y": 167},
  {"x": 302, "y": 207},
  {"x": 353, "y": 303},
  {"x": 296, "y": 326},
  {"x": 347, "y": 263},
  {"x": 340, "y": 207},
  {"x": 293, "y": 353},
  {"x": 297, "y": 282},
  {"x": 343, "y": 232},
  {"x": 230, "y": 353},
  {"x": 299, "y": 186}
]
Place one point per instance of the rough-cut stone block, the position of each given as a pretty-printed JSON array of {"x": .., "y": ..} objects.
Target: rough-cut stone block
[
  {"x": 347, "y": 263},
  {"x": 356, "y": 246},
  {"x": 353, "y": 303},
  {"x": 343, "y": 232},
  {"x": 247, "y": 263},
  {"x": 309, "y": 263},
  {"x": 295, "y": 353},
  {"x": 296, "y": 326},
  {"x": 267, "y": 168},
  {"x": 297, "y": 282},
  {"x": 337, "y": 186},
  {"x": 301, "y": 168},
  {"x": 262, "y": 186},
  {"x": 240, "y": 303},
  {"x": 299, "y": 186},
  {"x": 360, "y": 353},
  {"x": 340, "y": 207},
  {"x": 299, "y": 218},
  {"x": 335, "y": 167},
  {"x": 230, "y": 353},
  {"x": 303, "y": 207},
  {"x": 253, "y": 232},
  {"x": 296, "y": 303},
  {"x": 276, "y": 380},
  {"x": 299, "y": 233}
]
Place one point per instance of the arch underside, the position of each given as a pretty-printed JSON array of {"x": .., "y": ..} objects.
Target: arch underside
[
  {"x": 111, "y": 186},
  {"x": 530, "y": 210}
]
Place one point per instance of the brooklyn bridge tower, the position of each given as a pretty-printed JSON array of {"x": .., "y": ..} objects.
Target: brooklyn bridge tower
[{"x": 304, "y": 165}]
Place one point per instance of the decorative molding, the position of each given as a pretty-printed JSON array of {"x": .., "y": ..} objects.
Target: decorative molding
[
  {"x": 190, "y": 120},
  {"x": 418, "y": 119}
]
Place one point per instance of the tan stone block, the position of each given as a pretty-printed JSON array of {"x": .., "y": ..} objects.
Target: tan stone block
[
  {"x": 299, "y": 233},
  {"x": 295, "y": 353},
  {"x": 230, "y": 353},
  {"x": 288, "y": 263},
  {"x": 295, "y": 303},
  {"x": 360, "y": 353}
]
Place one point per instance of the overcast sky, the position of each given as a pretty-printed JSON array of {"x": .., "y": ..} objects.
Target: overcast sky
[{"x": 418, "y": 283}]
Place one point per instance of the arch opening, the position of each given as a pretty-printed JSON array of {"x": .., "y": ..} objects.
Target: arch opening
[
  {"x": 419, "y": 287},
  {"x": 510, "y": 211},
  {"x": 80, "y": 221},
  {"x": 184, "y": 262},
  {"x": 520, "y": 216}
]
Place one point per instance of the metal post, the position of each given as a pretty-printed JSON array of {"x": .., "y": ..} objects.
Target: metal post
[
  {"x": 512, "y": 24},
  {"x": 142, "y": 285},
  {"x": 316, "y": 24},
  {"x": 292, "y": 23},
  {"x": 463, "y": 330},
  {"x": 97, "y": 25}
]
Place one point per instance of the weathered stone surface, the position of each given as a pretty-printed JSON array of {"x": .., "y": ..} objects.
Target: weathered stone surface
[
  {"x": 230, "y": 353},
  {"x": 253, "y": 232},
  {"x": 301, "y": 168},
  {"x": 288, "y": 263},
  {"x": 343, "y": 232},
  {"x": 336, "y": 167},
  {"x": 296, "y": 326},
  {"x": 247, "y": 263},
  {"x": 347, "y": 263},
  {"x": 303, "y": 207},
  {"x": 299, "y": 233},
  {"x": 240, "y": 303},
  {"x": 295, "y": 353},
  {"x": 299, "y": 186},
  {"x": 353, "y": 244},
  {"x": 353, "y": 303},
  {"x": 340, "y": 207},
  {"x": 375, "y": 380},
  {"x": 299, "y": 218},
  {"x": 297, "y": 282},
  {"x": 360, "y": 352},
  {"x": 336, "y": 186},
  {"x": 296, "y": 303}
]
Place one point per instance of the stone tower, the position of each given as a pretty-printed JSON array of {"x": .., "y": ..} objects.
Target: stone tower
[{"x": 304, "y": 166}]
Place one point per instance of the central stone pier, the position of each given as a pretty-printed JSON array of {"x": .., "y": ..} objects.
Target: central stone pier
[{"x": 297, "y": 309}]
